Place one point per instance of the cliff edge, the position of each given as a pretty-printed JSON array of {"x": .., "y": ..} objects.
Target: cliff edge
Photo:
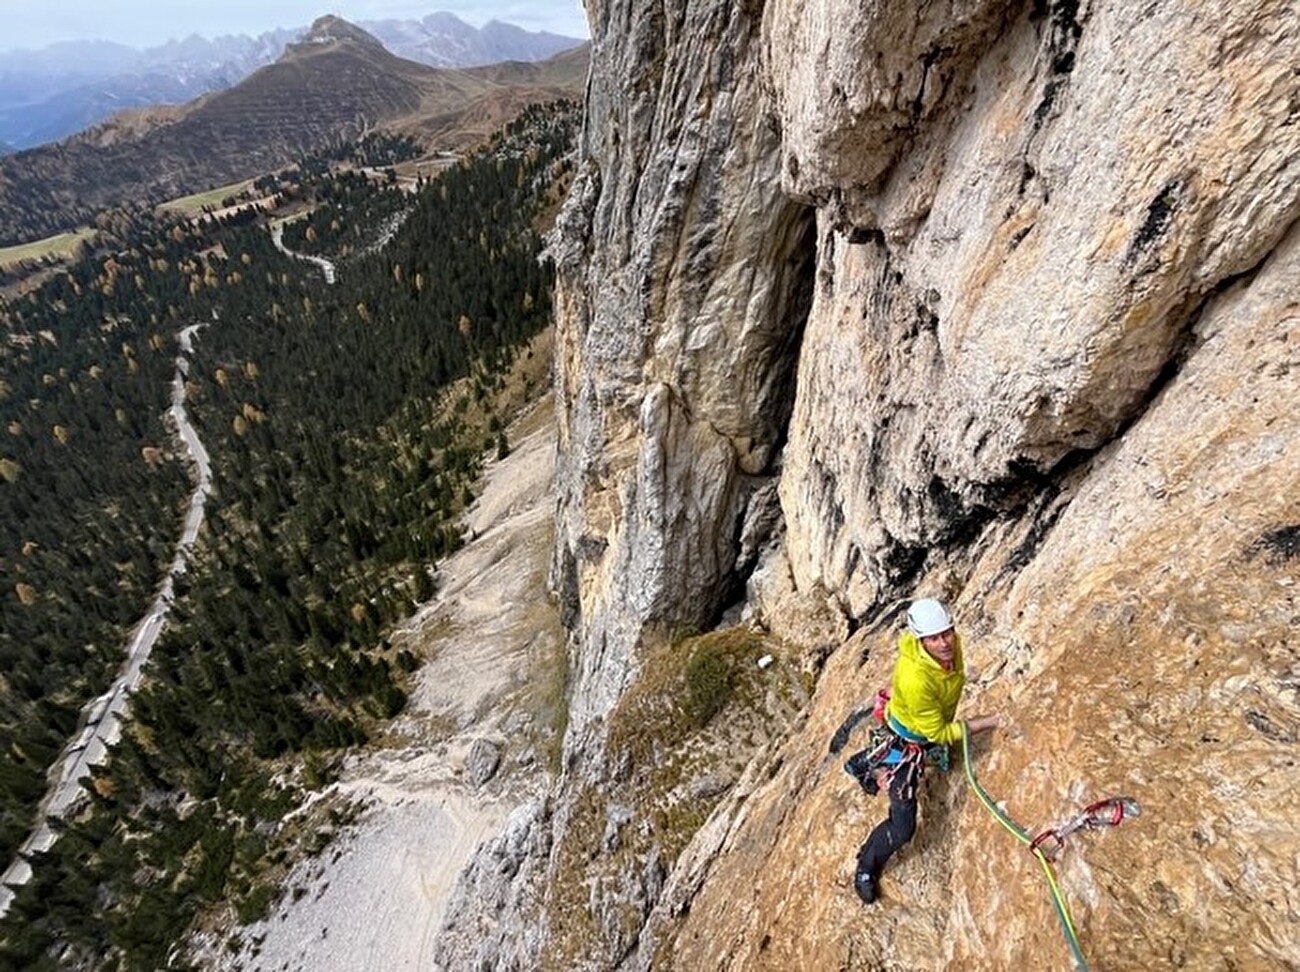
[{"x": 985, "y": 300}]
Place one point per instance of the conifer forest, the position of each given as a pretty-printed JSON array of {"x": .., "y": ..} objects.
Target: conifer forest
[{"x": 339, "y": 424}]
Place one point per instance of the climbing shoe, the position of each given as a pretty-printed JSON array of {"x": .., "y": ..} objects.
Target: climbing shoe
[{"x": 866, "y": 886}]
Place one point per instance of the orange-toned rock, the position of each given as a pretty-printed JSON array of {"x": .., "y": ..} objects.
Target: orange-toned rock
[{"x": 1047, "y": 329}]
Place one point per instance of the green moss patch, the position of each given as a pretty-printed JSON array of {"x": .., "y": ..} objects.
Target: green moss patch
[{"x": 700, "y": 710}]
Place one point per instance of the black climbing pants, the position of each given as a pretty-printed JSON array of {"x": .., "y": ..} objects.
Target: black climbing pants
[{"x": 893, "y": 832}]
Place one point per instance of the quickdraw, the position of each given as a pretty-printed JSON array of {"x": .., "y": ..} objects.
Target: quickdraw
[{"x": 1104, "y": 813}]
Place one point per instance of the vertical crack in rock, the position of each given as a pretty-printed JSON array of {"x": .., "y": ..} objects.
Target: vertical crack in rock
[
  {"x": 1063, "y": 32},
  {"x": 678, "y": 332},
  {"x": 570, "y": 602}
]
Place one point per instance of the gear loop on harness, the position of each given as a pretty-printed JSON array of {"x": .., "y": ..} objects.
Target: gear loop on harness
[{"x": 890, "y": 750}]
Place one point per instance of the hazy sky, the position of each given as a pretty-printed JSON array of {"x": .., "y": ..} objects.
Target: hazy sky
[{"x": 145, "y": 23}]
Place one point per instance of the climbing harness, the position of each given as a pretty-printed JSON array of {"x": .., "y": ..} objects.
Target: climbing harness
[
  {"x": 891, "y": 750},
  {"x": 1104, "y": 813},
  {"x": 888, "y": 756}
]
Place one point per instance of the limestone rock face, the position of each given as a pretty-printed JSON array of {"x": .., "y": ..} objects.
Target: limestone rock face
[
  {"x": 502, "y": 879},
  {"x": 1147, "y": 648},
  {"x": 1011, "y": 293},
  {"x": 1038, "y": 351},
  {"x": 852, "y": 83},
  {"x": 483, "y": 761},
  {"x": 683, "y": 284}
]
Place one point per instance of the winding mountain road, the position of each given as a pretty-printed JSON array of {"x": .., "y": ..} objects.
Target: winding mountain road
[
  {"x": 103, "y": 717},
  {"x": 326, "y": 266}
]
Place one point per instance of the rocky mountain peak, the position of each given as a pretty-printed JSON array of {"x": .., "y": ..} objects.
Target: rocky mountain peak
[
  {"x": 330, "y": 88},
  {"x": 334, "y": 29}
]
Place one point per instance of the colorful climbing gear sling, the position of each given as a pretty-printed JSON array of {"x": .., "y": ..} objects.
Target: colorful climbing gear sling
[
  {"x": 891, "y": 750},
  {"x": 1104, "y": 813}
]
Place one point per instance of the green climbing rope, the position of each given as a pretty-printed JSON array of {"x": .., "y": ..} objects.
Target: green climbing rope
[{"x": 1058, "y": 900}]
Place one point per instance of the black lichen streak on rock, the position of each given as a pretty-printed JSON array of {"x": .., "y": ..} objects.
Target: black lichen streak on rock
[
  {"x": 926, "y": 319},
  {"x": 1268, "y": 728},
  {"x": 1020, "y": 235},
  {"x": 1279, "y": 546},
  {"x": 1063, "y": 38},
  {"x": 1159, "y": 214},
  {"x": 902, "y": 563},
  {"x": 960, "y": 523},
  {"x": 857, "y": 235},
  {"x": 1045, "y": 105},
  {"x": 1033, "y": 541}
]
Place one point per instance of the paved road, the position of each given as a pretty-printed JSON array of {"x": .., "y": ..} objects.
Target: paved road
[{"x": 102, "y": 718}]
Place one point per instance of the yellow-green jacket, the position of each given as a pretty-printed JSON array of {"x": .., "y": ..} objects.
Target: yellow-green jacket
[{"x": 923, "y": 697}]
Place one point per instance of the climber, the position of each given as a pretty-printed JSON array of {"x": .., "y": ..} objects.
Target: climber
[{"x": 918, "y": 725}]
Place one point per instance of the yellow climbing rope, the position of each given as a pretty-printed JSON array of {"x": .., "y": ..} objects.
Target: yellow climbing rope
[{"x": 1058, "y": 900}]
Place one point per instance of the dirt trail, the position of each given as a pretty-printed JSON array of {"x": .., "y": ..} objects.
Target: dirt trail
[{"x": 375, "y": 897}]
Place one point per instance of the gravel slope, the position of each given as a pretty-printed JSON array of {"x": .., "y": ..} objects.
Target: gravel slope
[{"x": 375, "y": 898}]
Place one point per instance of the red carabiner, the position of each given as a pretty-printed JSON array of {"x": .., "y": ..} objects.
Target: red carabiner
[
  {"x": 1114, "y": 817},
  {"x": 1050, "y": 834}
]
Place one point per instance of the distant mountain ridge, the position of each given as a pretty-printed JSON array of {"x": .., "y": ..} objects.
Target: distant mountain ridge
[
  {"x": 444, "y": 40},
  {"x": 62, "y": 89},
  {"x": 335, "y": 84}
]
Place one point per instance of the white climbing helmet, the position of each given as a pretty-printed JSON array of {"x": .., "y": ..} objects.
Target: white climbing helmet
[{"x": 928, "y": 617}]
